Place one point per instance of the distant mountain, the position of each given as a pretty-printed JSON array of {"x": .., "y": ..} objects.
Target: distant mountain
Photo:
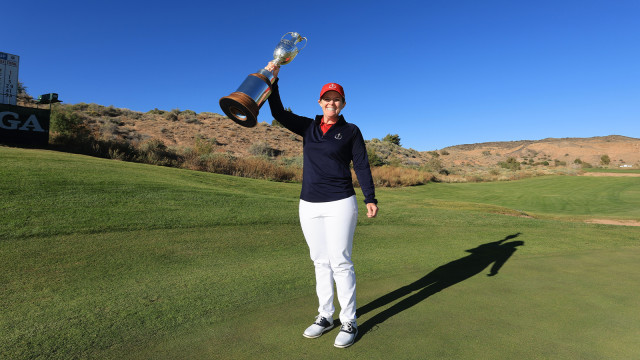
[{"x": 619, "y": 149}]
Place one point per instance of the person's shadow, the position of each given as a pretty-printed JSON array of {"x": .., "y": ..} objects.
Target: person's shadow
[{"x": 497, "y": 252}]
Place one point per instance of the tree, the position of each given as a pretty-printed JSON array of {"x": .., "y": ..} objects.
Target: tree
[
  {"x": 392, "y": 138},
  {"x": 605, "y": 160},
  {"x": 21, "y": 88},
  {"x": 23, "y": 96}
]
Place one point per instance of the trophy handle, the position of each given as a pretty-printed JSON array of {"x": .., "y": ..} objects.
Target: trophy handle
[
  {"x": 297, "y": 38},
  {"x": 305, "y": 43}
]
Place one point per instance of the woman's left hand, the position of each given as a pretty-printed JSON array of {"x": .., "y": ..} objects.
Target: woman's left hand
[{"x": 372, "y": 210}]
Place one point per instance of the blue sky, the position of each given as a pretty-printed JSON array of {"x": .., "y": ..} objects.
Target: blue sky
[{"x": 436, "y": 72}]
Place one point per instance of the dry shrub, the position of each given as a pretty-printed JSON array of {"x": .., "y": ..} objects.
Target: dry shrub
[
  {"x": 392, "y": 176},
  {"x": 261, "y": 168},
  {"x": 498, "y": 174},
  {"x": 452, "y": 178},
  {"x": 155, "y": 152},
  {"x": 251, "y": 167}
]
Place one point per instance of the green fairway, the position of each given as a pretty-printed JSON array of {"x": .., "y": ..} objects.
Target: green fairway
[
  {"x": 106, "y": 259},
  {"x": 562, "y": 197}
]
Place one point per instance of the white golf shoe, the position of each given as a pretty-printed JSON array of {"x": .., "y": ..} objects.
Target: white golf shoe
[
  {"x": 321, "y": 325},
  {"x": 347, "y": 335}
]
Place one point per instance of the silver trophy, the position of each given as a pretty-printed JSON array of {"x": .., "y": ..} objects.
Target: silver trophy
[{"x": 243, "y": 105}]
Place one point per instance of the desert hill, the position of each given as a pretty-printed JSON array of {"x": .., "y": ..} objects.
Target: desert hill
[
  {"x": 182, "y": 129},
  {"x": 185, "y": 129},
  {"x": 621, "y": 150}
]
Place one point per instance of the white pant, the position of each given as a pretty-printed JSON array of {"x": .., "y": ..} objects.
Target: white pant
[{"x": 328, "y": 228}]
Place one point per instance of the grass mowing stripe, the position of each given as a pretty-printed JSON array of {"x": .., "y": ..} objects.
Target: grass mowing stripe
[
  {"x": 54, "y": 193},
  {"x": 92, "y": 292}
]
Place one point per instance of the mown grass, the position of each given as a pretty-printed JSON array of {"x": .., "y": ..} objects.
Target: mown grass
[
  {"x": 50, "y": 193},
  {"x": 107, "y": 259},
  {"x": 566, "y": 197}
]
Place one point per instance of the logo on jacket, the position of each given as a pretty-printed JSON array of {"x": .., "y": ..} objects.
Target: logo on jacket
[{"x": 338, "y": 136}]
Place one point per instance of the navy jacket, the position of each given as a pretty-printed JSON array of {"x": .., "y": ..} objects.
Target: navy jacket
[{"x": 326, "y": 175}]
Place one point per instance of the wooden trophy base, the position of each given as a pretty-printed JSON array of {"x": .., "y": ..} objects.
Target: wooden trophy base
[{"x": 240, "y": 108}]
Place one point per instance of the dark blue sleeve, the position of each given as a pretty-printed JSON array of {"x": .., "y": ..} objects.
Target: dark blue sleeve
[
  {"x": 294, "y": 123},
  {"x": 361, "y": 167}
]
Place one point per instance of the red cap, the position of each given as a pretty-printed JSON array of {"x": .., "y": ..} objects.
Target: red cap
[{"x": 334, "y": 87}]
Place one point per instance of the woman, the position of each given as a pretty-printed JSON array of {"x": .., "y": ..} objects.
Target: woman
[{"x": 328, "y": 208}]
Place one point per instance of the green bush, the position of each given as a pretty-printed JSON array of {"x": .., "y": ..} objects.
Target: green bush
[
  {"x": 605, "y": 160},
  {"x": 65, "y": 121},
  {"x": 156, "y": 112},
  {"x": 172, "y": 115},
  {"x": 112, "y": 111},
  {"x": 204, "y": 146},
  {"x": 511, "y": 164},
  {"x": 433, "y": 165},
  {"x": 374, "y": 159}
]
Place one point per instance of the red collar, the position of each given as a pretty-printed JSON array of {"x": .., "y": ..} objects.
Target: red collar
[{"x": 324, "y": 126}]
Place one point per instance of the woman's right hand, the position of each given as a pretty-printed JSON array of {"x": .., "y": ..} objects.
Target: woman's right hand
[{"x": 275, "y": 69}]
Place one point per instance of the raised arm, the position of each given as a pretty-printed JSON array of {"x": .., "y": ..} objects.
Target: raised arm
[{"x": 294, "y": 123}]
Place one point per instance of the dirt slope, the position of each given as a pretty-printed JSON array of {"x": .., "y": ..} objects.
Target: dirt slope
[{"x": 620, "y": 150}]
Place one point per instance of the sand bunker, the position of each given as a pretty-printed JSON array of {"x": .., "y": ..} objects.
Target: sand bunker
[{"x": 614, "y": 222}]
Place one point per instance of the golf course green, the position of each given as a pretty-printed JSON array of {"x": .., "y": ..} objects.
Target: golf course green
[{"x": 104, "y": 259}]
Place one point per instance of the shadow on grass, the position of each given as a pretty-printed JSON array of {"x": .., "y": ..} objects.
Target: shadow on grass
[{"x": 496, "y": 253}]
